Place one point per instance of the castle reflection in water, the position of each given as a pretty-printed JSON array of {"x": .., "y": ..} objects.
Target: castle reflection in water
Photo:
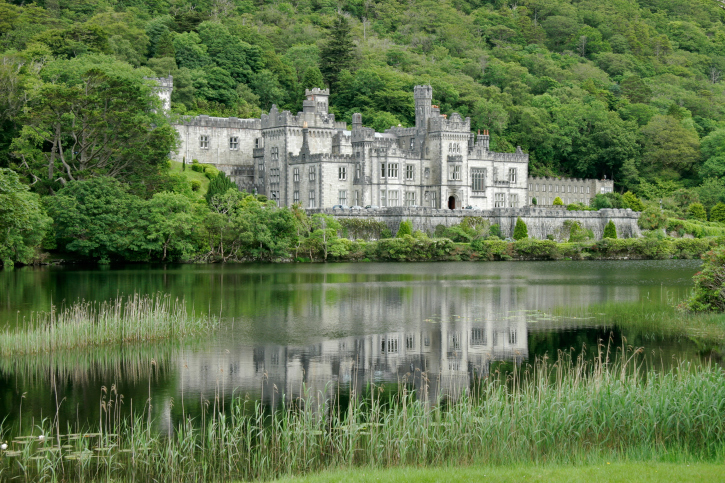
[{"x": 449, "y": 332}]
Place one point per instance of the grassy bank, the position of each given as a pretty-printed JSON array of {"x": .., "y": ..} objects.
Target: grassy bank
[
  {"x": 605, "y": 472},
  {"x": 571, "y": 412},
  {"x": 92, "y": 324}
]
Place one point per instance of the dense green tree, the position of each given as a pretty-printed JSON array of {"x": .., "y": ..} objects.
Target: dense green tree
[
  {"x": 217, "y": 86},
  {"x": 99, "y": 125},
  {"x": 713, "y": 152},
  {"x": 324, "y": 237},
  {"x": 190, "y": 52},
  {"x": 98, "y": 218},
  {"x": 78, "y": 40},
  {"x": 337, "y": 53},
  {"x": 266, "y": 86},
  {"x": 669, "y": 148},
  {"x": 23, "y": 222},
  {"x": 236, "y": 57},
  {"x": 558, "y": 202},
  {"x": 521, "y": 231},
  {"x": 170, "y": 221}
]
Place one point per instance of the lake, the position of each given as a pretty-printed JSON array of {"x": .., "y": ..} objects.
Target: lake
[{"x": 328, "y": 330}]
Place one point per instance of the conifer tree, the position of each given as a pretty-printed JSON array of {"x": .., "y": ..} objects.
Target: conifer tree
[
  {"x": 336, "y": 55},
  {"x": 558, "y": 202},
  {"x": 610, "y": 231},
  {"x": 312, "y": 78},
  {"x": 219, "y": 185},
  {"x": 521, "y": 231},
  {"x": 405, "y": 228}
]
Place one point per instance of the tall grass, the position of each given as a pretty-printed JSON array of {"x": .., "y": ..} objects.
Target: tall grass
[
  {"x": 91, "y": 324},
  {"x": 567, "y": 411},
  {"x": 654, "y": 317}
]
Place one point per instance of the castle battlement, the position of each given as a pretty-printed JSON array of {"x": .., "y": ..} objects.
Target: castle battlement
[
  {"x": 320, "y": 158},
  {"x": 508, "y": 157},
  {"x": 455, "y": 124},
  {"x": 316, "y": 91},
  {"x": 402, "y": 131},
  {"x": 275, "y": 118},
  {"x": 221, "y": 122}
]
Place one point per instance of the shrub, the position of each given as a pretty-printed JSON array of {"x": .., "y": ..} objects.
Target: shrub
[
  {"x": 709, "y": 293},
  {"x": 211, "y": 172},
  {"x": 492, "y": 249},
  {"x": 717, "y": 213},
  {"x": 405, "y": 228},
  {"x": 632, "y": 201},
  {"x": 697, "y": 211},
  {"x": 601, "y": 201},
  {"x": 533, "y": 201},
  {"x": 495, "y": 230},
  {"x": 610, "y": 231},
  {"x": 195, "y": 166},
  {"x": 531, "y": 248},
  {"x": 195, "y": 185},
  {"x": 577, "y": 233},
  {"x": 558, "y": 202},
  {"x": 521, "y": 231},
  {"x": 651, "y": 219}
]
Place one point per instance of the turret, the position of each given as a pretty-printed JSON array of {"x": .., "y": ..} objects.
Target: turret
[
  {"x": 317, "y": 100},
  {"x": 423, "y": 96},
  {"x": 356, "y": 121}
]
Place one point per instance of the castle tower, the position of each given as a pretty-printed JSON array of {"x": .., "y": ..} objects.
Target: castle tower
[
  {"x": 318, "y": 99},
  {"x": 357, "y": 120},
  {"x": 423, "y": 96},
  {"x": 163, "y": 90}
]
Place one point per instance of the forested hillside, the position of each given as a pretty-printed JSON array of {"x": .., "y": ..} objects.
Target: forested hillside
[{"x": 630, "y": 89}]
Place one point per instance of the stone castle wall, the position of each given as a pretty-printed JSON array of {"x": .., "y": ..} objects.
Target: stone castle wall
[{"x": 541, "y": 222}]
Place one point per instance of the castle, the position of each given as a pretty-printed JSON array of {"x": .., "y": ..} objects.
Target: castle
[{"x": 312, "y": 159}]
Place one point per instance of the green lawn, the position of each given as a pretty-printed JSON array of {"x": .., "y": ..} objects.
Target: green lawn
[
  {"x": 619, "y": 472},
  {"x": 191, "y": 175}
]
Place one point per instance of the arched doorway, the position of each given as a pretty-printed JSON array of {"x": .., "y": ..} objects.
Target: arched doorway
[{"x": 451, "y": 202}]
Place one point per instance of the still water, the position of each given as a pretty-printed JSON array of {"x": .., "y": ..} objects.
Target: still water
[{"x": 324, "y": 328}]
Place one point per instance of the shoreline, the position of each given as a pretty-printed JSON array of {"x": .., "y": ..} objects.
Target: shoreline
[{"x": 420, "y": 249}]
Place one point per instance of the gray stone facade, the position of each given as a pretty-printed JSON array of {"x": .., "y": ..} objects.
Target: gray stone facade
[
  {"x": 541, "y": 222},
  {"x": 313, "y": 159},
  {"x": 570, "y": 190}
]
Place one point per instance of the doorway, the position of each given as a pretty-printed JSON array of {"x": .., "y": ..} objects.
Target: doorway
[{"x": 451, "y": 202}]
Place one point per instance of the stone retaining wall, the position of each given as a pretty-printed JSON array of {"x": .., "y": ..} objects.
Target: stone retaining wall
[{"x": 540, "y": 221}]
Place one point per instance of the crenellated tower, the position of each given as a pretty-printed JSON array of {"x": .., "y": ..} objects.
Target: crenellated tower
[{"x": 423, "y": 96}]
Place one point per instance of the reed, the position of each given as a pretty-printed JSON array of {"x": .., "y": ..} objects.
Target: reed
[
  {"x": 653, "y": 317},
  {"x": 83, "y": 325},
  {"x": 586, "y": 410}
]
